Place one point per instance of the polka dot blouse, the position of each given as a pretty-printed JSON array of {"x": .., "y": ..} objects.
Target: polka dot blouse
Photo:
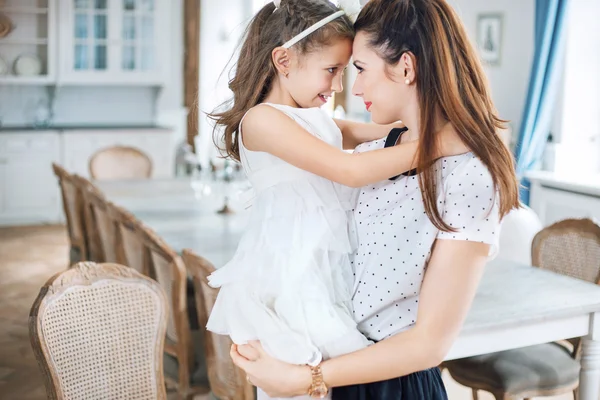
[{"x": 396, "y": 236}]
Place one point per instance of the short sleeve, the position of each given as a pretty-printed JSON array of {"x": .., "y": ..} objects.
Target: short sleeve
[{"x": 469, "y": 204}]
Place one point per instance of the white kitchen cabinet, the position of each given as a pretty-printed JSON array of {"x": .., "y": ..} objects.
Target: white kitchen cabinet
[
  {"x": 78, "y": 146},
  {"x": 34, "y": 35},
  {"x": 555, "y": 198},
  {"x": 29, "y": 191},
  {"x": 113, "y": 41}
]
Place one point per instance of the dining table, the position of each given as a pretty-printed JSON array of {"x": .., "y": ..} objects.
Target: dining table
[{"x": 515, "y": 305}]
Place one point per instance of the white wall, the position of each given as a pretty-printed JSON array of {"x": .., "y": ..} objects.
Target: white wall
[
  {"x": 509, "y": 80},
  {"x": 222, "y": 24}
]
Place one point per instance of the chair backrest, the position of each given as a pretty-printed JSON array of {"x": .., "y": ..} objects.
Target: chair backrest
[
  {"x": 131, "y": 249},
  {"x": 120, "y": 162},
  {"x": 98, "y": 333},
  {"x": 517, "y": 231},
  {"x": 92, "y": 236},
  {"x": 72, "y": 199},
  {"x": 227, "y": 381},
  {"x": 569, "y": 247},
  {"x": 167, "y": 268},
  {"x": 106, "y": 225}
]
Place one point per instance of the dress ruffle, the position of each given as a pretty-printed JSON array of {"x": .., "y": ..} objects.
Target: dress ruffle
[{"x": 289, "y": 282}]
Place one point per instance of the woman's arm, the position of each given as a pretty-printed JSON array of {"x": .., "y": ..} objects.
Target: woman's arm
[
  {"x": 355, "y": 133},
  {"x": 450, "y": 283},
  {"x": 269, "y": 130}
]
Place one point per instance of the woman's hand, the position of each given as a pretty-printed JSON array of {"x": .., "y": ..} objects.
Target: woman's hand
[
  {"x": 276, "y": 378},
  {"x": 450, "y": 143}
]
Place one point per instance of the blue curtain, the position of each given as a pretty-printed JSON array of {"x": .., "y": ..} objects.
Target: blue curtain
[{"x": 544, "y": 81}]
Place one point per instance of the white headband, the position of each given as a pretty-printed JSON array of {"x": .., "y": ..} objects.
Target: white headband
[{"x": 310, "y": 29}]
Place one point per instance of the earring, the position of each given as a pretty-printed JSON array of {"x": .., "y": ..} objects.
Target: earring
[{"x": 407, "y": 81}]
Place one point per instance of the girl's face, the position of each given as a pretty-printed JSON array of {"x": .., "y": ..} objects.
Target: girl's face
[
  {"x": 382, "y": 87},
  {"x": 315, "y": 76}
]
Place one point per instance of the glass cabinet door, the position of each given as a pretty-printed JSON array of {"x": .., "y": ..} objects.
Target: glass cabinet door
[
  {"x": 115, "y": 40},
  {"x": 138, "y": 35},
  {"x": 91, "y": 35}
]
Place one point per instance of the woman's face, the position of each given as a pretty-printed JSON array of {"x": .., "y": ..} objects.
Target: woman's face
[{"x": 383, "y": 90}]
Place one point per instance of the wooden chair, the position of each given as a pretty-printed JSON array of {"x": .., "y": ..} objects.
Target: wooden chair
[
  {"x": 570, "y": 247},
  {"x": 92, "y": 236},
  {"x": 227, "y": 382},
  {"x": 102, "y": 218},
  {"x": 184, "y": 368},
  {"x": 72, "y": 199},
  {"x": 98, "y": 333},
  {"x": 132, "y": 251},
  {"x": 131, "y": 248},
  {"x": 120, "y": 162}
]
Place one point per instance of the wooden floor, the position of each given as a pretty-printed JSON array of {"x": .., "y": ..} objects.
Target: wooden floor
[{"x": 28, "y": 257}]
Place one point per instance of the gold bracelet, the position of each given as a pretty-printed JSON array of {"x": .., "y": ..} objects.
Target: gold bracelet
[{"x": 318, "y": 389}]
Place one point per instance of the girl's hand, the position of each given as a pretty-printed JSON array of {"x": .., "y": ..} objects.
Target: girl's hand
[
  {"x": 276, "y": 378},
  {"x": 450, "y": 143}
]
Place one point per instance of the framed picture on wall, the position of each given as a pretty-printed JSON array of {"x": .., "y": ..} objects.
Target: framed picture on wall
[{"x": 489, "y": 37}]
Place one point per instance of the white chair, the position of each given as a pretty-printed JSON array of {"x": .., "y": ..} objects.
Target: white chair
[{"x": 516, "y": 235}]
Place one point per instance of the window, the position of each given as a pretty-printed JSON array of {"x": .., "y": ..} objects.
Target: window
[{"x": 579, "y": 128}]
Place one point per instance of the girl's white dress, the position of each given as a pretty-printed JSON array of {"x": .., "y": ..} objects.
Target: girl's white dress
[{"x": 289, "y": 283}]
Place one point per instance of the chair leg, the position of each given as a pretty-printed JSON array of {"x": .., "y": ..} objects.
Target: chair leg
[{"x": 475, "y": 394}]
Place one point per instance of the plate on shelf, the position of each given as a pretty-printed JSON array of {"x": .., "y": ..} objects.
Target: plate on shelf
[
  {"x": 6, "y": 25},
  {"x": 28, "y": 65},
  {"x": 3, "y": 67}
]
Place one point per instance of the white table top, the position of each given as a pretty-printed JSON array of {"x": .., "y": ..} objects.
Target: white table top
[{"x": 509, "y": 294}]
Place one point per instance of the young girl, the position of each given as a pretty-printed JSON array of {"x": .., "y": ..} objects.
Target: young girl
[{"x": 289, "y": 283}]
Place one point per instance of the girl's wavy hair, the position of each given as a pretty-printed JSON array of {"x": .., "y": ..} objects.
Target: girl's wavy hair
[{"x": 254, "y": 70}]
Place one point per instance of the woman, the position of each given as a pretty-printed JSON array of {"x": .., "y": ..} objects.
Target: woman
[{"x": 416, "y": 65}]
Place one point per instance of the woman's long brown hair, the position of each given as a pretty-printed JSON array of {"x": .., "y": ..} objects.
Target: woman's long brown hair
[
  {"x": 254, "y": 70},
  {"x": 450, "y": 79}
]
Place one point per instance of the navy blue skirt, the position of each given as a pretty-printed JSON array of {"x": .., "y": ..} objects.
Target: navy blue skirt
[{"x": 423, "y": 385}]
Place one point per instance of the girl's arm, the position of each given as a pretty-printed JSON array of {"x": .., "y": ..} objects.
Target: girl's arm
[
  {"x": 269, "y": 130},
  {"x": 448, "y": 289},
  {"x": 355, "y": 133}
]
